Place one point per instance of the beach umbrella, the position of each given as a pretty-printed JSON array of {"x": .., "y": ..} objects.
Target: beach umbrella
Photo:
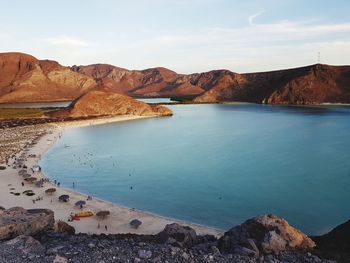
[
  {"x": 22, "y": 172},
  {"x": 26, "y": 175},
  {"x": 102, "y": 214},
  {"x": 64, "y": 198},
  {"x": 135, "y": 223},
  {"x": 36, "y": 168},
  {"x": 31, "y": 179},
  {"x": 80, "y": 203},
  {"x": 39, "y": 184},
  {"x": 50, "y": 190}
]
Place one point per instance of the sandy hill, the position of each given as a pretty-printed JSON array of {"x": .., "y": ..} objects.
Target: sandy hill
[{"x": 101, "y": 103}]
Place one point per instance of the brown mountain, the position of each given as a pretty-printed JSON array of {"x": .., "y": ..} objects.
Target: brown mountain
[
  {"x": 306, "y": 85},
  {"x": 153, "y": 82},
  {"x": 23, "y": 78},
  {"x": 101, "y": 103}
]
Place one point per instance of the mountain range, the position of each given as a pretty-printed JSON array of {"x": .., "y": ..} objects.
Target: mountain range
[{"x": 23, "y": 78}]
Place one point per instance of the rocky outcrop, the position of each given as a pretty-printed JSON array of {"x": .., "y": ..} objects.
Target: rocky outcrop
[
  {"x": 175, "y": 234},
  {"x": 336, "y": 243},
  {"x": 18, "y": 221},
  {"x": 27, "y": 79},
  {"x": 266, "y": 234},
  {"x": 175, "y": 243},
  {"x": 63, "y": 227},
  {"x": 101, "y": 103}
]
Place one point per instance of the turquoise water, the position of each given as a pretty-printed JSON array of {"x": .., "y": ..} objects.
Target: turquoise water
[
  {"x": 157, "y": 100},
  {"x": 217, "y": 165},
  {"x": 33, "y": 105}
]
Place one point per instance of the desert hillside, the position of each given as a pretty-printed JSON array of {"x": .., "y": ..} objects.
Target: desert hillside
[
  {"x": 307, "y": 85},
  {"x": 27, "y": 79},
  {"x": 23, "y": 78},
  {"x": 101, "y": 103}
]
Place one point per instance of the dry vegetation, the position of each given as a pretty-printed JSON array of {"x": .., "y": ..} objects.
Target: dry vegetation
[{"x": 22, "y": 113}]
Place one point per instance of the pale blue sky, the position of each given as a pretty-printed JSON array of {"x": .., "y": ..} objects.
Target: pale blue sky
[{"x": 183, "y": 35}]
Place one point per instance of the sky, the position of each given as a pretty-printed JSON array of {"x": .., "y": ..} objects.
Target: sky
[{"x": 183, "y": 35}]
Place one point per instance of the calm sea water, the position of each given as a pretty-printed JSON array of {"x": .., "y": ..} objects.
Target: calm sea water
[
  {"x": 33, "y": 105},
  {"x": 217, "y": 165},
  {"x": 157, "y": 100}
]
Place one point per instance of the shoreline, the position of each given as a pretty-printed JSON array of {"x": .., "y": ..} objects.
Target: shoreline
[{"x": 117, "y": 222}]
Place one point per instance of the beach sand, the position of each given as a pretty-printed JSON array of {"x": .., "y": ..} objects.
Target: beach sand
[{"x": 117, "y": 222}]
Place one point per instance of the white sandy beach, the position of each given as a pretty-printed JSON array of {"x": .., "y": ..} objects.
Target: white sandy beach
[{"x": 117, "y": 222}]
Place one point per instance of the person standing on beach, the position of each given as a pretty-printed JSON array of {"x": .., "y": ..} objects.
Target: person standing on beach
[
  {"x": 106, "y": 227},
  {"x": 73, "y": 185}
]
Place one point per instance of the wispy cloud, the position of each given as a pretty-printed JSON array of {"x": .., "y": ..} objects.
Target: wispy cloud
[
  {"x": 252, "y": 17},
  {"x": 263, "y": 46}
]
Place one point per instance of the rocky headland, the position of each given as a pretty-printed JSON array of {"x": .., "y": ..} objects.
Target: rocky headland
[
  {"x": 265, "y": 238},
  {"x": 102, "y": 103},
  {"x": 27, "y": 79}
]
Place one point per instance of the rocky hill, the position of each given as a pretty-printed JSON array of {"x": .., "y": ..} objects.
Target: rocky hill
[
  {"x": 153, "y": 82},
  {"x": 26, "y": 79},
  {"x": 102, "y": 103},
  {"x": 307, "y": 85},
  {"x": 23, "y": 78}
]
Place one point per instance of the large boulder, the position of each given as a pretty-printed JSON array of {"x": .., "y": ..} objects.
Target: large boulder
[
  {"x": 268, "y": 234},
  {"x": 175, "y": 234},
  {"x": 63, "y": 227},
  {"x": 19, "y": 221},
  {"x": 336, "y": 243}
]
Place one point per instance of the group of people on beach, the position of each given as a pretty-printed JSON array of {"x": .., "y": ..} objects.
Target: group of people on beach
[{"x": 40, "y": 198}]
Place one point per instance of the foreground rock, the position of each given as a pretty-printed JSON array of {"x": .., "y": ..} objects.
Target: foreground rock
[
  {"x": 18, "y": 221},
  {"x": 267, "y": 234},
  {"x": 182, "y": 236},
  {"x": 336, "y": 243},
  {"x": 82, "y": 248},
  {"x": 34, "y": 242},
  {"x": 101, "y": 103}
]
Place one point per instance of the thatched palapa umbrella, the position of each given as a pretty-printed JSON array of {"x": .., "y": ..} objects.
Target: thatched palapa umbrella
[
  {"x": 22, "y": 172},
  {"x": 36, "y": 168},
  {"x": 31, "y": 179},
  {"x": 135, "y": 223},
  {"x": 26, "y": 176},
  {"x": 50, "y": 190},
  {"x": 39, "y": 184},
  {"x": 64, "y": 198},
  {"x": 103, "y": 214},
  {"x": 80, "y": 203}
]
